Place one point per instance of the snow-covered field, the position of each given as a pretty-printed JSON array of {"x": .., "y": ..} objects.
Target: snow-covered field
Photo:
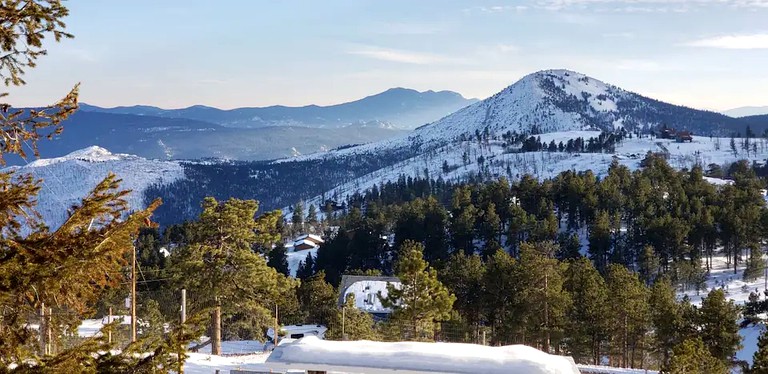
[{"x": 68, "y": 179}]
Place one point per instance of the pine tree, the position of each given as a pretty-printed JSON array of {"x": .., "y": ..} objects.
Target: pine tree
[
  {"x": 218, "y": 266},
  {"x": 760, "y": 357},
  {"x": 464, "y": 275},
  {"x": 545, "y": 300},
  {"x": 691, "y": 356},
  {"x": 588, "y": 316},
  {"x": 68, "y": 268},
  {"x": 297, "y": 218},
  {"x": 312, "y": 215},
  {"x": 628, "y": 297},
  {"x": 570, "y": 246},
  {"x": 490, "y": 224},
  {"x": 318, "y": 300},
  {"x": 755, "y": 266},
  {"x": 719, "y": 326},
  {"x": 668, "y": 319},
  {"x": 649, "y": 265},
  {"x": 421, "y": 299},
  {"x": 463, "y": 218},
  {"x": 502, "y": 311},
  {"x": 355, "y": 323},
  {"x": 306, "y": 268},
  {"x": 600, "y": 240},
  {"x": 278, "y": 259}
]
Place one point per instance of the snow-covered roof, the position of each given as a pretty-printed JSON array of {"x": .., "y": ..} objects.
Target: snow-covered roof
[
  {"x": 366, "y": 291},
  {"x": 305, "y": 242},
  {"x": 310, "y": 237},
  {"x": 315, "y": 330},
  {"x": 370, "y": 357}
]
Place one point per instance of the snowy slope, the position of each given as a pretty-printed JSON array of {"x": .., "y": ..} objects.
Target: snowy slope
[
  {"x": 68, "y": 179},
  {"x": 497, "y": 163}
]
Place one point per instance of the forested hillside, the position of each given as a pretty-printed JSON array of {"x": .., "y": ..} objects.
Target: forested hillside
[{"x": 584, "y": 266}]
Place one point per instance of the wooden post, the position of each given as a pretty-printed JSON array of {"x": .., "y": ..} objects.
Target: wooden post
[
  {"x": 133, "y": 295},
  {"x": 216, "y": 338},
  {"x": 49, "y": 338},
  {"x": 277, "y": 328},
  {"x": 109, "y": 334},
  {"x": 183, "y": 319},
  {"x": 43, "y": 331},
  {"x": 343, "y": 321},
  {"x": 183, "y": 305}
]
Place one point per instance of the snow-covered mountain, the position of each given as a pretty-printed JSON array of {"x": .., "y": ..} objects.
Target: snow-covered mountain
[
  {"x": 555, "y": 106},
  {"x": 68, "y": 179},
  {"x": 746, "y": 111},
  {"x": 402, "y": 107},
  {"x": 556, "y": 101}
]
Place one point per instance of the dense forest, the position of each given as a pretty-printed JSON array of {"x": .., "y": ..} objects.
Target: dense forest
[
  {"x": 275, "y": 185},
  {"x": 577, "y": 265}
]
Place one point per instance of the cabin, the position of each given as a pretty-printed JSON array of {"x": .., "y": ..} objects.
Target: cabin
[
  {"x": 684, "y": 136},
  {"x": 307, "y": 241},
  {"x": 667, "y": 133},
  {"x": 366, "y": 290},
  {"x": 310, "y": 238}
]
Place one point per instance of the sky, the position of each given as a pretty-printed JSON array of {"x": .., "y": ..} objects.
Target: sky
[{"x": 709, "y": 54}]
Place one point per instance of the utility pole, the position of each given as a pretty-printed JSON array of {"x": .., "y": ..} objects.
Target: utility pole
[
  {"x": 43, "y": 331},
  {"x": 49, "y": 332},
  {"x": 183, "y": 305},
  {"x": 216, "y": 338},
  {"x": 109, "y": 321},
  {"x": 277, "y": 326},
  {"x": 133, "y": 295},
  {"x": 546, "y": 311},
  {"x": 183, "y": 318}
]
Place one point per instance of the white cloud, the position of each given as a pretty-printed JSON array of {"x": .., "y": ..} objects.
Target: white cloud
[
  {"x": 647, "y": 6},
  {"x": 753, "y": 41},
  {"x": 401, "y": 56}
]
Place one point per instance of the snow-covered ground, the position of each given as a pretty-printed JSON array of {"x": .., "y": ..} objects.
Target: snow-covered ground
[
  {"x": 68, "y": 179},
  {"x": 412, "y": 357},
  {"x": 201, "y": 363},
  {"x": 296, "y": 257},
  {"x": 736, "y": 289}
]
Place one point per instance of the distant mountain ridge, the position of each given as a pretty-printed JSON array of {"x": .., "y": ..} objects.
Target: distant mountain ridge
[
  {"x": 401, "y": 107},
  {"x": 553, "y": 106},
  {"x": 747, "y": 111},
  {"x": 162, "y": 138}
]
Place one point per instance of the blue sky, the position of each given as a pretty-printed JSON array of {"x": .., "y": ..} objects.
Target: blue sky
[{"x": 174, "y": 53}]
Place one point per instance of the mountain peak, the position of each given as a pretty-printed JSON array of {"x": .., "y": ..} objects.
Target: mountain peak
[{"x": 90, "y": 154}]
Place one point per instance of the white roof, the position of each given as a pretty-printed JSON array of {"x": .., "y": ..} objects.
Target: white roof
[
  {"x": 367, "y": 295},
  {"x": 304, "y": 241},
  {"x": 312, "y": 237},
  {"x": 369, "y": 357},
  {"x": 317, "y": 330}
]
